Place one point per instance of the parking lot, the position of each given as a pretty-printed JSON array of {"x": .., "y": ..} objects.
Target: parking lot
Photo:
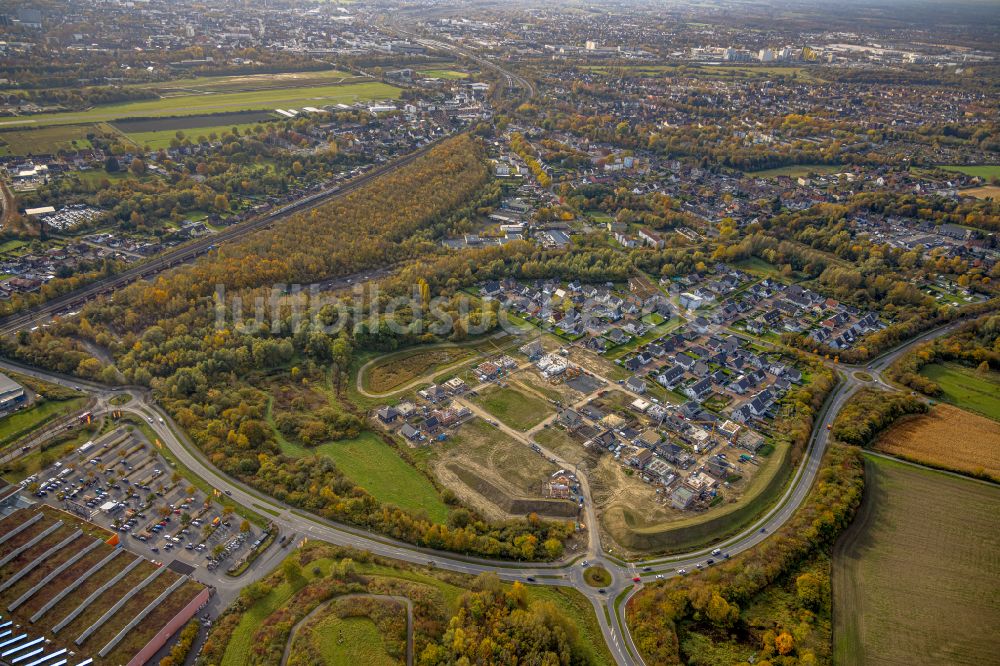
[{"x": 119, "y": 482}]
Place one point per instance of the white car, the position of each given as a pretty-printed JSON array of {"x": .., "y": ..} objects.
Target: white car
[{"x": 682, "y": 571}]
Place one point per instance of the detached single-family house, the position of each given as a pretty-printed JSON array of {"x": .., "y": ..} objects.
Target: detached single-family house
[{"x": 636, "y": 384}]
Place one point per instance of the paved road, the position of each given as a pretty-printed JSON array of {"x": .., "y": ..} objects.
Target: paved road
[
  {"x": 38, "y": 314},
  {"x": 512, "y": 79},
  {"x": 8, "y": 203},
  {"x": 566, "y": 574}
]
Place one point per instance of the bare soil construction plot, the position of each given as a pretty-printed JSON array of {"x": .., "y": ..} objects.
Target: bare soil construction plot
[
  {"x": 948, "y": 438},
  {"x": 564, "y": 445},
  {"x": 497, "y": 475},
  {"x": 914, "y": 577},
  {"x": 532, "y": 381},
  {"x": 634, "y": 518}
]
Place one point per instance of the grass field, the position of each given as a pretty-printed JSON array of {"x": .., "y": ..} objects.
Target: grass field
[
  {"x": 200, "y": 103},
  {"x": 388, "y": 372},
  {"x": 375, "y": 466},
  {"x": 161, "y": 138},
  {"x": 515, "y": 408},
  {"x": 25, "y": 420},
  {"x": 967, "y": 388},
  {"x": 946, "y": 437},
  {"x": 796, "y": 170},
  {"x": 758, "y": 266},
  {"x": 914, "y": 578},
  {"x": 45, "y": 140},
  {"x": 597, "y": 577},
  {"x": 443, "y": 73},
  {"x": 248, "y": 81},
  {"x": 562, "y": 444},
  {"x": 984, "y": 171},
  {"x": 344, "y": 642},
  {"x": 395, "y": 370},
  {"x": 38, "y": 459}
]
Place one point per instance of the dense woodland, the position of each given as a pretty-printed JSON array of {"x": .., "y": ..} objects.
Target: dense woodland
[
  {"x": 870, "y": 411},
  {"x": 685, "y": 619},
  {"x": 498, "y": 626}
]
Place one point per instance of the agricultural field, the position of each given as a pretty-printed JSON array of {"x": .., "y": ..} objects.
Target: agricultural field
[
  {"x": 982, "y": 171},
  {"x": 514, "y": 407},
  {"x": 45, "y": 140},
  {"x": 158, "y": 139},
  {"x": 967, "y": 388},
  {"x": 984, "y": 192},
  {"x": 948, "y": 438},
  {"x": 200, "y": 104},
  {"x": 912, "y": 575},
  {"x": 158, "y": 132}
]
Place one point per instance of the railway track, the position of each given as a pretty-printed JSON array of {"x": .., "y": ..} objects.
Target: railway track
[{"x": 65, "y": 303}]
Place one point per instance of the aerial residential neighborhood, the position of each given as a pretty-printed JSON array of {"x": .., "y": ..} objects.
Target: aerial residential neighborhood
[{"x": 436, "y": 333}]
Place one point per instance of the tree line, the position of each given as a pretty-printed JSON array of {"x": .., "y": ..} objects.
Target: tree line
[{"x": 709, "y": 602}]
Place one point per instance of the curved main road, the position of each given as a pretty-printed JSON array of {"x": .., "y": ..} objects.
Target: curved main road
[{"x": 565, "y": 574}]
